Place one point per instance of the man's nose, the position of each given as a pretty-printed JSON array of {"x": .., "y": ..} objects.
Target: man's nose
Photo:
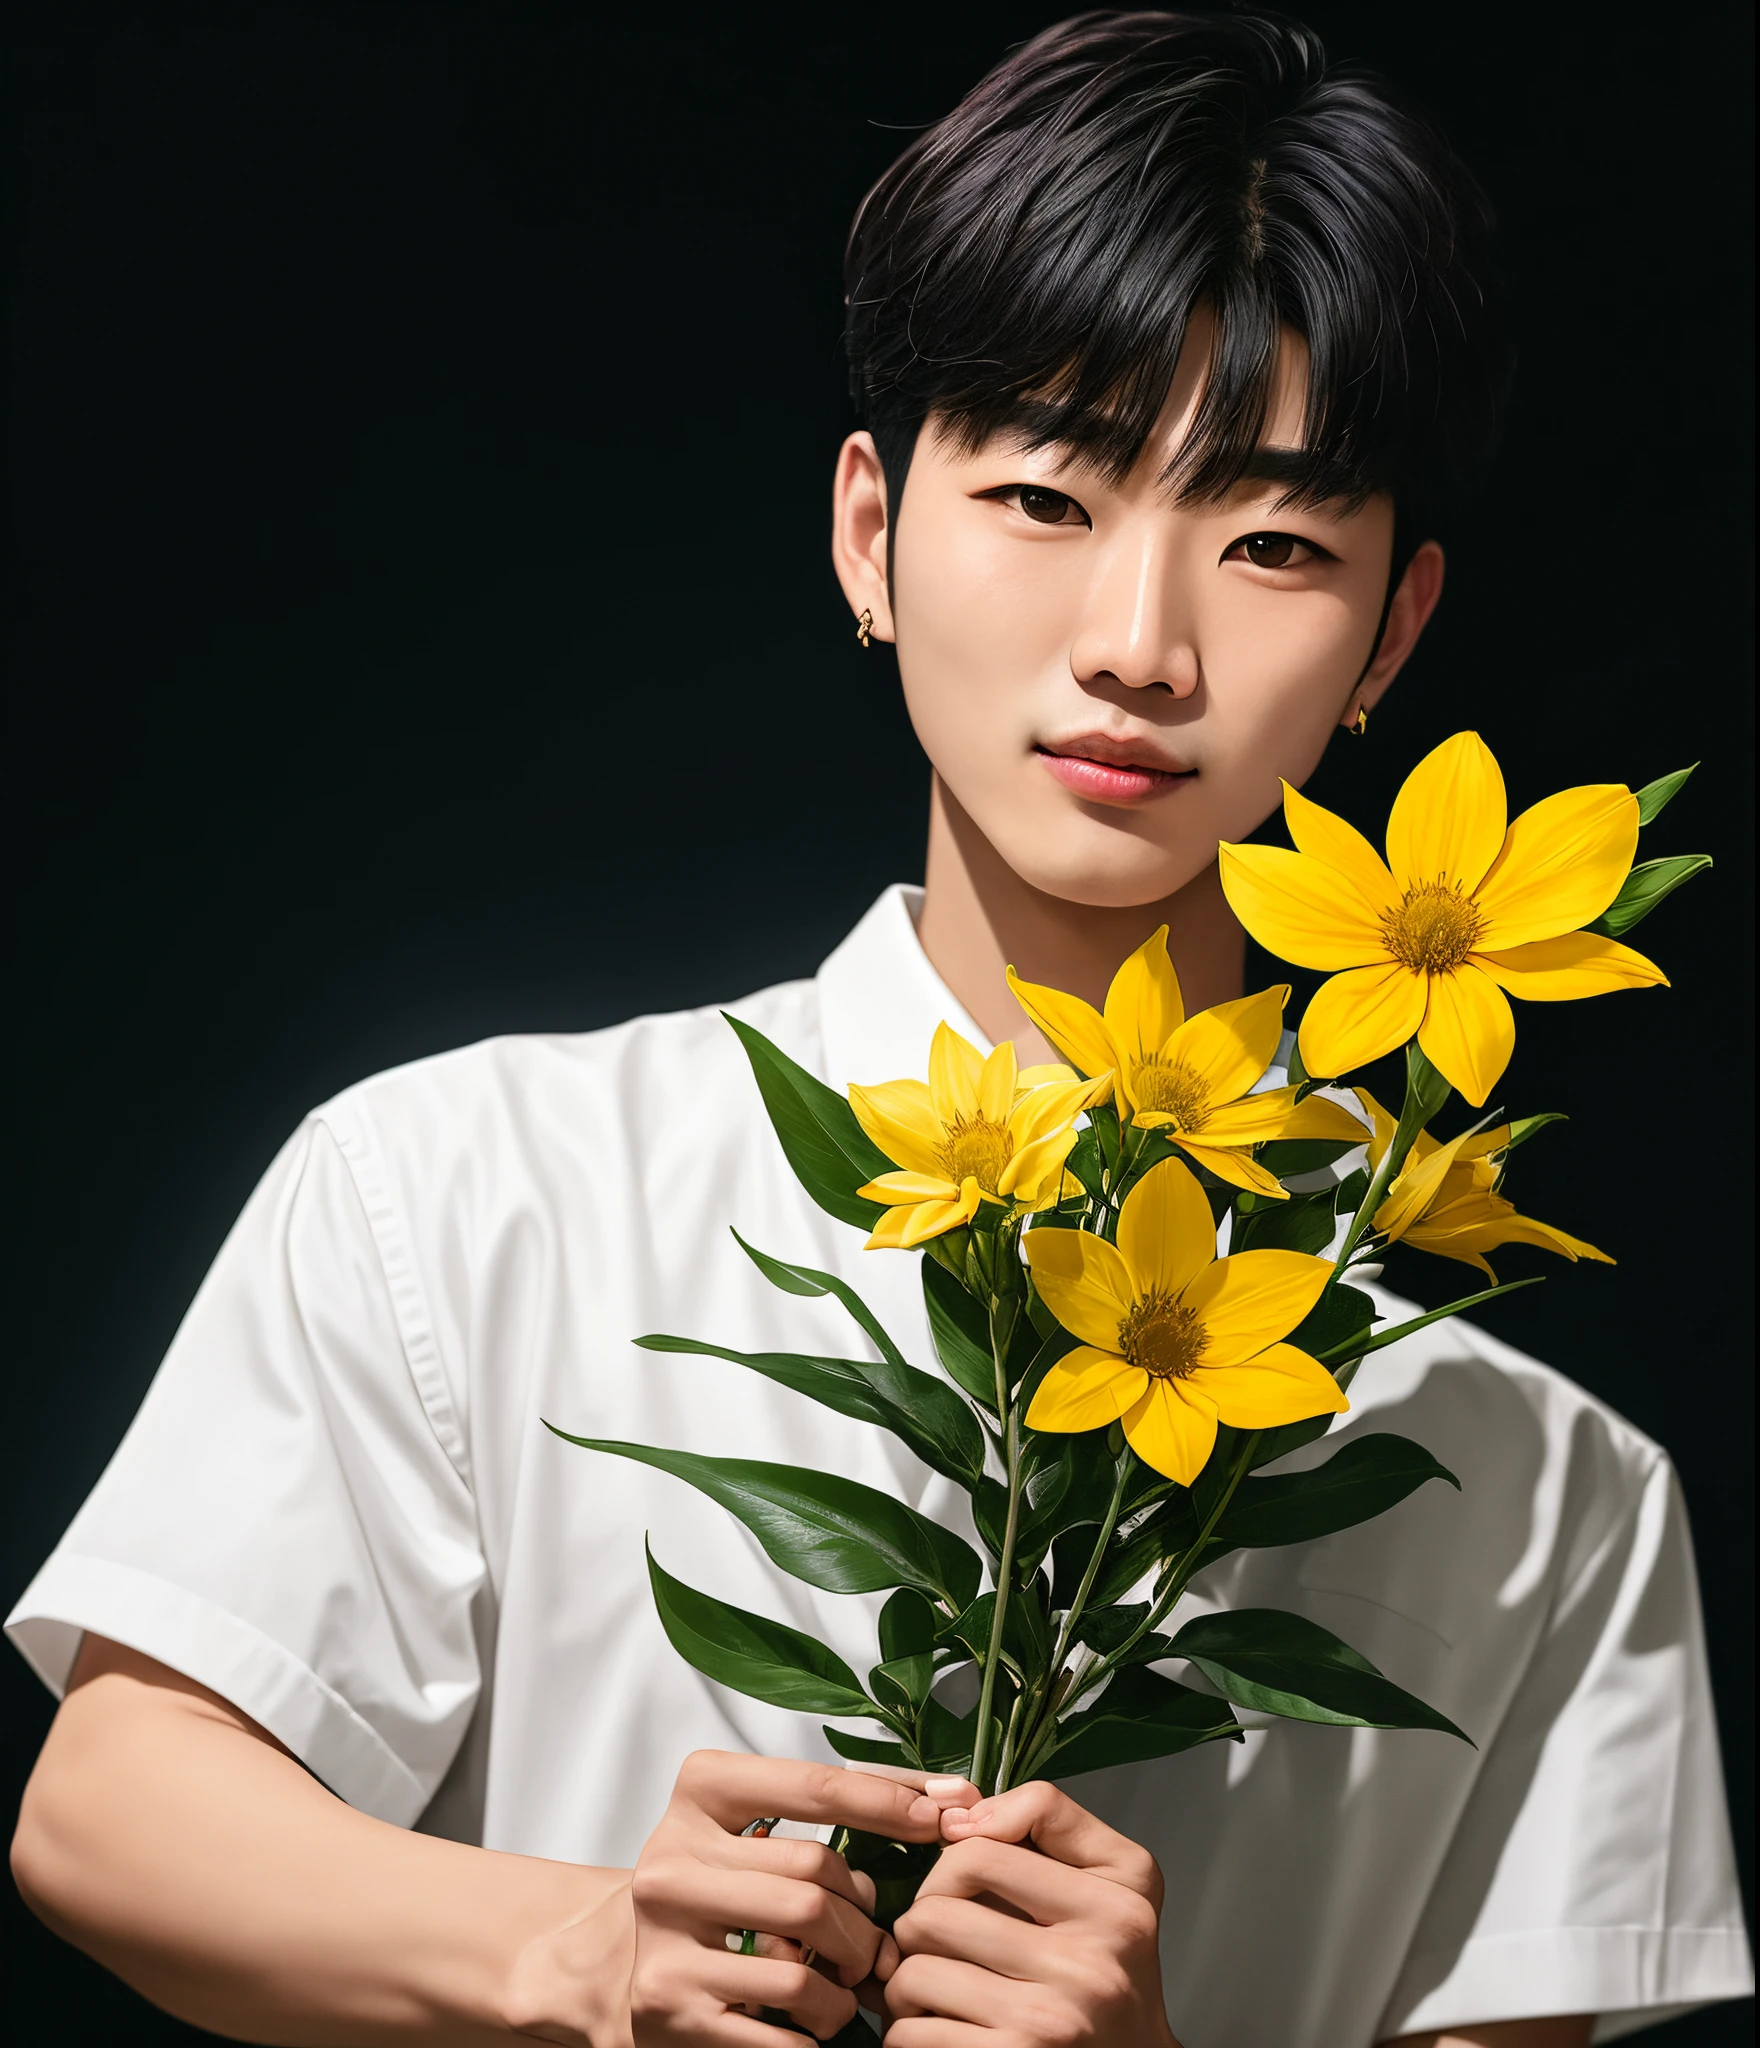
[{"x": 1136, "y": 626}]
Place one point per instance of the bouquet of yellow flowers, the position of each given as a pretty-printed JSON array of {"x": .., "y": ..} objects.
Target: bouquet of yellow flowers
[{"x": 1115, "y": 1391}]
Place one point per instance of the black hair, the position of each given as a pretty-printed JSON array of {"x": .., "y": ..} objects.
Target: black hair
[{"x": 1030, "y": 263}]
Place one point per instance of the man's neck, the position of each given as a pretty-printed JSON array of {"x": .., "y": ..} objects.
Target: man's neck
[{"x": 979, "y": 918}]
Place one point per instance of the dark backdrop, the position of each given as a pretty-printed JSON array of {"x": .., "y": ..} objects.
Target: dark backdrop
[{"x": 424, "y": 628}]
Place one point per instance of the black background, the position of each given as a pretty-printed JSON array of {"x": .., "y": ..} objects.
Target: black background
[{"x": 424, "y": 627}]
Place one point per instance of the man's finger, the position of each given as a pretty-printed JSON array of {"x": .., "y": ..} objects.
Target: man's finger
[
  {"x": 1055, "y": 1825},
  {"x": 1045, "y": 1890},
  {"x": 959, "y": 1928},
  {"x": 734, "y": 1790}
]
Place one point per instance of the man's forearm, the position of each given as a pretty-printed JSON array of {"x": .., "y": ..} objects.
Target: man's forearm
[{"x": 172, "y": 1840}]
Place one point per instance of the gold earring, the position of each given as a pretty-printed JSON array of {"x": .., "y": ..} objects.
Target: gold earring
[
  {"x": 864, "y": 626},
  {"x": 1361, "y": 724}
]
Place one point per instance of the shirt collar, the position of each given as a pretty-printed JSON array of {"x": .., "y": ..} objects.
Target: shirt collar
[{"x": 880, "y": 1000}]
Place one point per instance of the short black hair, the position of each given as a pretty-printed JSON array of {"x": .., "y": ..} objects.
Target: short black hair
[{"x": 1031, "y": 261}]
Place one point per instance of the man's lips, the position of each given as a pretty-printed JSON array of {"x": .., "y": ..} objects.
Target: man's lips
[{"x": 1110, "y": 770}]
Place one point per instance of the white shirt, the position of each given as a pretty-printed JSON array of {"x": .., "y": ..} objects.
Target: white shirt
[{"x": 338, "y": 1508}]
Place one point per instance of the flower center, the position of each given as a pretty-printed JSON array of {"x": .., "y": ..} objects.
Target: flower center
[
  {"x": 976, "y": 1146},
  {"x": 1433, "y": 927},
  {"x": 1161, "y": 1338},
  {"x": 1172, "y": 1086}
]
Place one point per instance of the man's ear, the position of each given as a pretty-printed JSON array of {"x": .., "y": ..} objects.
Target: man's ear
[
  {"x": 1416, "y": 598},
  {"x": 858, "y": 532}
]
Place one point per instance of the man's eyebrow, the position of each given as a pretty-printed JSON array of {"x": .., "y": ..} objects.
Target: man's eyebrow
[{"x": 1318, "y": 479}]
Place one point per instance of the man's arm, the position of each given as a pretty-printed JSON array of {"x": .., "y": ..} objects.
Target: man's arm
[{"x": 169, "y": 1836}]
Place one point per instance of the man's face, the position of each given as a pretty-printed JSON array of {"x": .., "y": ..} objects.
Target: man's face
[{"x": 1109, "y": 683}]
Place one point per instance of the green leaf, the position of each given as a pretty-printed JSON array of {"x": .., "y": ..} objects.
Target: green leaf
[
  {"x": 1140, "y": 1715},
  {"x": 919, "y": 1409},
  {"x": 1348, "y": 1196},
  {"x": 907, "y": 1624},
  {"x": 1025, "y": 1637},
  {"x": 897, "y": 1868},
  {"x": 1365, "y": 1478},
  {"x": 831, "y": 1154},
  {"x": 1645, "y": 887},
  {"x": 1522, "y": 1128},
  {"x": 1286, "y": 1157},
  {"x": 1341, "y": 1315},
  {"x": 960, "y": 1326},
  {"x": 1278, "y": 1663},
  {"x": 1302, "y": 1223},
  {"x": 808, "y": 1280},
  {"x": 763, "y": 1658},
  {"x": 1360, "y": 1348},
  {"x": 1106, "y": 1629},
  {"x": 947, "y": 1740},
  {"x": 1654, "y": 795},
  {"x": 903, "y": 1683},
  {"x": 830, "y": 1531},
  {"x": 869, "y": 1749}
]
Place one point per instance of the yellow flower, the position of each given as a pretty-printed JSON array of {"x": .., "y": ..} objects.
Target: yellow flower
[
  {"x": 972, "y": 1135},
  {"x": 1464, "y": 913},
  {"x": 1188, "y": 1076},
  {"x": 1445, "y": 1198},
  {"x": 1174, "y": 1339}
]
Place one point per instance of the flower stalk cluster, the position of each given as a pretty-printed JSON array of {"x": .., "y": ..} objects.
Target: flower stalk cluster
[{"x": 1137, "y": 1270}]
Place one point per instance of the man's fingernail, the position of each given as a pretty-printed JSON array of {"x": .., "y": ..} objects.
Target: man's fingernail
[{"x": 948, "y": 1788}]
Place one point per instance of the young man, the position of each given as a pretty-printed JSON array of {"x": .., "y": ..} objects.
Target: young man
[{"x": 1174, "y": 346}]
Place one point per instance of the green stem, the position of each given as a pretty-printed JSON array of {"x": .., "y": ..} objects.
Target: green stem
[
  {"x": 1426, "y": 1092},
  {"x": 1173, "y": 1584},
  {"x": 1002, "y": 1320}
]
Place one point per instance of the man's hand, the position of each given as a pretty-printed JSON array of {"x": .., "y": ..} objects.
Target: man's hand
[
  {"x": 1038, "y": 1928},
  {"x": 698, "y": 1878}
]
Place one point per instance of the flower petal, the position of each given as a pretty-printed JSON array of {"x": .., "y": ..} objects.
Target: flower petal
[
  {"x": 910, "y": 1187},
  {"x": 1448, "y": 820},
  {"x": 1563, "y": 863},
  {"x": 1418, "y": 1188},
  {"x": 1354, "y": 1018},
  {"x": 1513, "y": 1229},
  {"x": 1280, "y": 1385},
  {"x": 1250, "y": 1299},
  {"x": 1572, "y": 965},
  {"x": 1040, "y": 1112},
  {"x": 1468, "y": 1031},
  {"x": 1040, "y": 1077},
  {"x": 998, "y": 1079},
  {"x": 1072, "y": 1026},
  {"x": 1327, "y": 837},
  {"x": 1084, "y": 1282},
  {"x": 1277, "y": 1114},
  {"x": 1229, "y": 1047},
  {"x": 1143, "y": 1006},
  {"x": 1300, "y": 908},
  {"x": 1238, "y": 1167},
  {"x": 899, "y": 1117},
  {"x": 955, "y": 1068},
  {"x": 1035, "y": 1166},
  {"x": 1085, "y": 1390},
  {"x": 1173, "y": 1428},
  {"x": 932, "y": 1219},
  {"x": 1166, "y": 1233},
  {"x": 888, "y": 1233}
]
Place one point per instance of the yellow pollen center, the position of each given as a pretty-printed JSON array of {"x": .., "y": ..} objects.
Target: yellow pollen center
[
  {"x": 1161, "y": 1338},
  {"x": 976, "y": 1146},
  {"x": 1172, "y": 1086},
  {"x": 1433, "y": 927}
]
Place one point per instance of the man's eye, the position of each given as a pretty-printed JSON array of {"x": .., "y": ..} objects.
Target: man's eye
[
  {"x": 1050, "y": 508},
  {"x": 1272, "y": 551}
]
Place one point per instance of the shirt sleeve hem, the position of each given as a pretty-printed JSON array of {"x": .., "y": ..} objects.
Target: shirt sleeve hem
[
  {"x": 1630, "y": 1977},
  {"x": 73, "y": 1595}
]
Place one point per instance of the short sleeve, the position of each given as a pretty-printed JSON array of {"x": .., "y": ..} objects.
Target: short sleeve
[
  {"x": 288, "y": 1520},
  {"x": 1592, "y": 1869}
]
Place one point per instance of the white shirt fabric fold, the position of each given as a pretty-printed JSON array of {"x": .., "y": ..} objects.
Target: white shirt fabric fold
[{"x": 339, "y": 1508}]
